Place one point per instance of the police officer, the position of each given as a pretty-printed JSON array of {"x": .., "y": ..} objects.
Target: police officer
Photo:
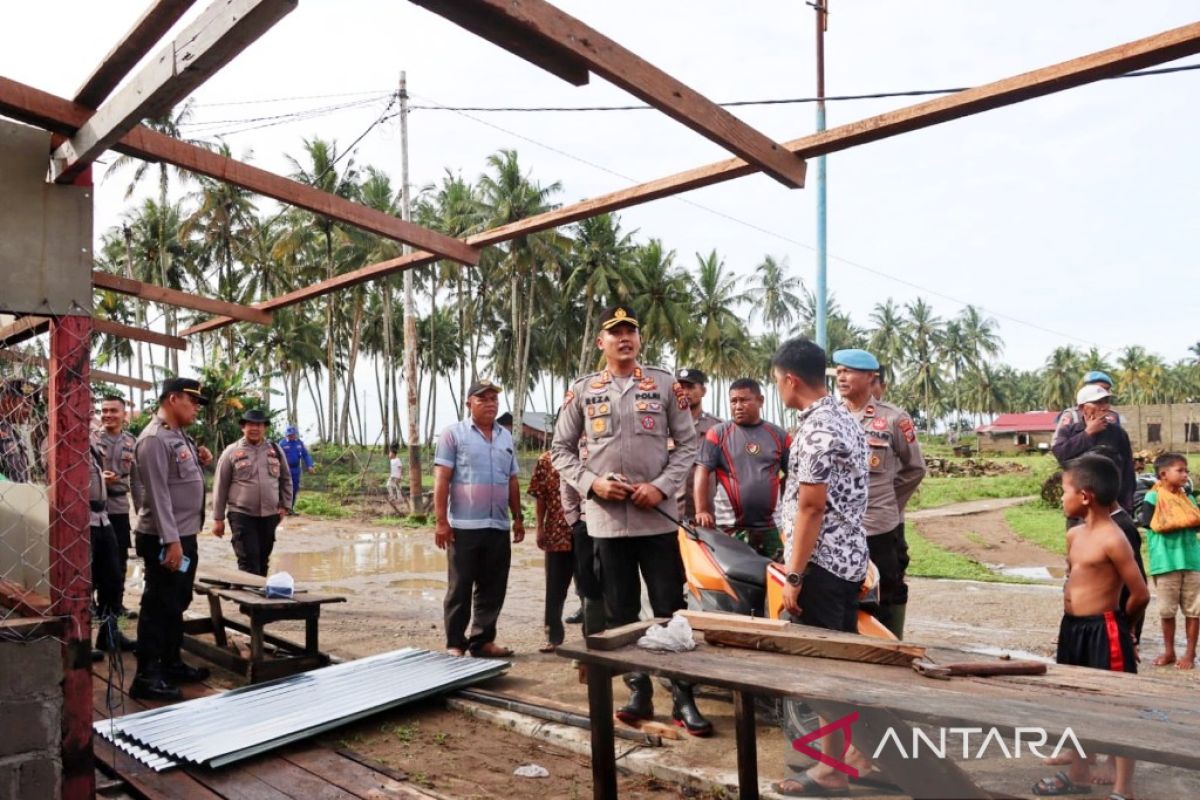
[
  {"x": 172, "y": 513},
  {"x": 106, "y": 575},
  {"x": 16, "y": 401},
  {"x": 252, "y": 483},
  {"x": 897, "y": 469},
  {"x": 1071, "y": 416},
  {"x": 629, "y": 482},
  {"x": 695, "y": 387},
  {"x": 297, "y": 456},
  {"x": 116, "y": 447}
]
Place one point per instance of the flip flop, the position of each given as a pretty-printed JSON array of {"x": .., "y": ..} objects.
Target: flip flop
[
  {"x": 1058, "y": 785},
  {"x": 808, "y": 788},
  {"x": 547, "y": 648},
  {"x": 875, "y": 780}
]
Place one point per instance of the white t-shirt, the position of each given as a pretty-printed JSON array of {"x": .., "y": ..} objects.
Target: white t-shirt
[{"x": 397, "y": 468}]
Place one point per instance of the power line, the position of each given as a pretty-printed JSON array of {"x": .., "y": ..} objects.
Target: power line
[{"x": 781, "y": 236}]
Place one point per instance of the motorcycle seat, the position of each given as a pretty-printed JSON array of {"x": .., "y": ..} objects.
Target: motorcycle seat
[{"x": 736, "y": 559}]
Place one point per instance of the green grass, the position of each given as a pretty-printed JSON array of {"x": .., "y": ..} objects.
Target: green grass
[
  {"x": 931, "y": 561},
  {"x": 1039, "y": 524},
  {"x": 317, "y": 504},
  {"x": 944, "y": 491}
]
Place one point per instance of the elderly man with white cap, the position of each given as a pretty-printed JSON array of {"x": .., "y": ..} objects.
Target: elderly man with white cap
[
  {"x": 1097, "y": 430},
  {"x": 1070, "y": 416}
]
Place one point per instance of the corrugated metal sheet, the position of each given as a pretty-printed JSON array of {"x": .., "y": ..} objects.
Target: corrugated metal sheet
[{"x": 223, "y": 728}]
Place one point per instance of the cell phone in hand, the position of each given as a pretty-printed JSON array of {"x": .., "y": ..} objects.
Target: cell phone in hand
[{"x": 183, "y": 565}]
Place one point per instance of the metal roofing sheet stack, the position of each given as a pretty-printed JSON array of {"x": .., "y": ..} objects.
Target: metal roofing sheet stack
[{"x": 222, "y": 728}]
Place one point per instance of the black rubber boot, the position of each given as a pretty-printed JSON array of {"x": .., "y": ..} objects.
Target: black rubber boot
[
  {"x": 685, "y": 713},
  {"x": 153, "y": 687},
  {"x": 640, "y": 707},
  {"x": 576, "y": 618},
  {"x": 184, "y": 673}
]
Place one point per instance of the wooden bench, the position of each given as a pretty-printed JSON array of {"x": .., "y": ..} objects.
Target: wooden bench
[
  {"x": 1148, "y": 718},
  {"x": 290, "y": 657}
]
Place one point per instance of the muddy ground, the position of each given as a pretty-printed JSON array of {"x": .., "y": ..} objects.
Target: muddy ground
[{"x": 393, "y": 580}]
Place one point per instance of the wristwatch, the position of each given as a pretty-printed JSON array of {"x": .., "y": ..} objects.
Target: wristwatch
[{"x": 794, "y": 578}]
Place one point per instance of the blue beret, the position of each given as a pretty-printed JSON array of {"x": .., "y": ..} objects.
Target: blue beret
[
  {"x": 855, "y": 359},
  {"x": 1096, "y": 376}
]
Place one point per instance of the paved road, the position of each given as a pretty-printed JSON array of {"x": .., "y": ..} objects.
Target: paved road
[{"x": 971, "y": 507}]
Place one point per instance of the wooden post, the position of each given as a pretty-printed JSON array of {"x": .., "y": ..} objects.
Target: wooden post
[
  {"x": 600, "y": 710},
  {"x": 70, "y": 409},
  {"x": 747, "y": 745}
]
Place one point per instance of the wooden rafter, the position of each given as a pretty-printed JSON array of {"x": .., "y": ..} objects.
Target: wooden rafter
[
  {"x": 1157, "y": 49},
  {"x": 111, "y": 328},
  {"x": 141, "y": 38},
  {"x": 174, "y": 297},
  {"x": 45, "y": 110},
  {"x": 96, "y": 374},
  {"x": 224, "y": 29},
  {"x": 559, "y": 32},
  {"x": 23, "y": 329}
]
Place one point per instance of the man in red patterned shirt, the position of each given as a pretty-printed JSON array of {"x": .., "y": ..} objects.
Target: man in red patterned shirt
[{"x": 554, "y": 537}]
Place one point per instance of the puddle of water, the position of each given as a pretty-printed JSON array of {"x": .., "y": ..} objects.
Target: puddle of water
[
  {"x": 1032, "y": 573},
  {"x": 988, "y": 650},
  {"x": 416, "y": 584},
  {"x": 363, "y": 554}
]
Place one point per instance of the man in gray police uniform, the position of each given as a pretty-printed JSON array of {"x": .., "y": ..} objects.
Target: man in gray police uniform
[
  {"x": 695, "y": 387},
  {"x": 628, "y": 412},
  {"x": 171, "y": 516}
]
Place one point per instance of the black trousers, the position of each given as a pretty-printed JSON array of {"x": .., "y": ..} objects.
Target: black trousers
[
  {"x": 587, "y": 579},
  {"x": 166, "y": 596},
  {"x": 827, "y": 601},
  {"x": 253, "y": 539},
  {"x": 106, "y": 578},
  {"x": 477, "y": 577},
  {"x": 560, "y": 568},
  {"x": 120, "y": 525},
  {"x": 891, "y": 558},
  {"x": 657, "y": 557}
]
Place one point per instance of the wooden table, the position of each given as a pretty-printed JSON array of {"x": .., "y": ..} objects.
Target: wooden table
[
  {"x": 1147, "y": 718},
  {"x": 261, "y": 611}
]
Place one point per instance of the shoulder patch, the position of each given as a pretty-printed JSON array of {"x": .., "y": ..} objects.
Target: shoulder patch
[
  {"x": 908, "y": 429},
  {"x": 570, "y": 395}
]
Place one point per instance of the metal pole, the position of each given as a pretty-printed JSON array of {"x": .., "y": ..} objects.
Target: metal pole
[
  {"x": 822, "y": 323},
  {"x": 410, "y": 320}
]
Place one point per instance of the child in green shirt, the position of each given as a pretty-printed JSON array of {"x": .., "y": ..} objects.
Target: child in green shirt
[{"x": 1174, "y": 563}]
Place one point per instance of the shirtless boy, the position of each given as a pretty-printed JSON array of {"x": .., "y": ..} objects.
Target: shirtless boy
[{"x": 1095, "y": 631}]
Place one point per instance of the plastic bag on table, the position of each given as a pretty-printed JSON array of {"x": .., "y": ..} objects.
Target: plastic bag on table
[
  {"x": 280, "y": 585},
  {"x": 676, "y": 636}
]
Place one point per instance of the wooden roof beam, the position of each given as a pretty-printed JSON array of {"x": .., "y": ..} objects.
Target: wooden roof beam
[
  {"x": 174, "y": 297},
  {"x": 226, "y": 28},
  {"x": 559, "y": 32},
  {"x": 133, "y": 47},
  {"x": 1157, "y": 49},
  {"x": 96, "y": 374},
  {"x": 23, "y": 329},
  {"x": 107, "y": 326},
  {"x": 35, "y": 107}
]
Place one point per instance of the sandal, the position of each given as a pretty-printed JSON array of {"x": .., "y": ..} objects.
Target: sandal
[
  {"x": 548, "y": 647},
  {"x": 874, "y": 779},
  {"x": 454, "y": 651},
  {"x": 808, "y": 788},
  {"x": 1057, "y": 785}
]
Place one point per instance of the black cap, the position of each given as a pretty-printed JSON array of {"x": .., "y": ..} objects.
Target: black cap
[
  {"x": 505, "y": 419},
  {"x": 19, "y": 387},
  {"x": 254, "y": 415},
  {"x": 188, "y": 386},
  {"x": 617, "y": 315},
  {"x": 690, "y": 375},
  {"x": 479, "y": 387}
]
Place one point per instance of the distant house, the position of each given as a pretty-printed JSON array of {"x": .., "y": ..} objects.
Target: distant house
[
  {"x": 537, "y": 427},
  {"x": 1174, "y": 426},
  {"x": 1018, "y": 433}
]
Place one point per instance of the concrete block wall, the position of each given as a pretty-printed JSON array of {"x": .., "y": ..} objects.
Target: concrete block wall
[{"x": 31, "y": 674}]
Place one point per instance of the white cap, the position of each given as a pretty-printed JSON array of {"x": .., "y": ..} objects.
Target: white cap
[{"x": 1091, "y": 393}]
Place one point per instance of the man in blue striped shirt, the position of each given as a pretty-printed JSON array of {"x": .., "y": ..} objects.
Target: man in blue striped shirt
[{"x": 475, "y": 489}]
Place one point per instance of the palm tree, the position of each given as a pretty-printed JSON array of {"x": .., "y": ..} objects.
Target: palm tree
[
  {"x": 887, "y": 337},
  {"x": 321, "y": 171},
  {"x": 1139, "y": 376},
  {"x": 980, "y": 333},
  {"x": 922, "y": 339},
  {"x": 955, "y": 349},
  {"x": 776, "y": 296},
  {"x": 601, "y": 274},
  {"x": 664, "y": 306},
  {"x": 1060, "y": 378},
  {"x": 715, "y": 297},
  {"x": 1093, "y": 360}
]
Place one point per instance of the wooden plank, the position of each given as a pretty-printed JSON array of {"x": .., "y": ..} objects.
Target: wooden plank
[
  {"x": 616, "y": 638},
  {"x": 23, "y": 329},
  {"x": 502, "y": 30},
  {"x": 746, "y": 737},
  {"x": 147, "y": 784},
  {"x": 97, "y": 374},
  {"x": 1157, "y": 49},
  {"x": 259, "y": 602},
  {"x": 111, "y": 328},
  {"x": 24, "y": 601},
  {"x": 819, "y": 643},
  {"x": 35, "y": 107},
  {"x": 231, "y": 577},
  {"x": 600, "y": 711},
  {"x": 351, "y": 775},
  {"x": 174, "y": 297},
  {"x": 547, "y": 24},
  {"x": 33, "y": 627},
  {"x": 722, "y": 621},
  {"x": 220, "y": 33},
  {"x": 240, "y": 782},
  {"x": 145, "y": 33}
]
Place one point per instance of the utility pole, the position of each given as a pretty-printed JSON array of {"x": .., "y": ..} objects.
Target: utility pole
[
  {"x": 410, "y": 320},
  {"x": 822, "y": 321}
]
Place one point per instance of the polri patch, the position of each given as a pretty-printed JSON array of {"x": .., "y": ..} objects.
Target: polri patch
[{"x": 648, "y": 422}]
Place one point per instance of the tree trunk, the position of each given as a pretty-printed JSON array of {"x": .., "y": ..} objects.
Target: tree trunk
[
  {"x": 587, "y": 330},
  {"x": 317, "y": 405},
  {"x": 462, "y": 339},
  {"x": 330, "y": 346},
  {"x": 388, "y": 363},
  {"x": 521, "y": 390},
  {"x": 356, "y": 338}
]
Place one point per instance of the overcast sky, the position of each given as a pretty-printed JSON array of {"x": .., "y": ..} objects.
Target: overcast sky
[{"x": 1070, "y": 219}]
